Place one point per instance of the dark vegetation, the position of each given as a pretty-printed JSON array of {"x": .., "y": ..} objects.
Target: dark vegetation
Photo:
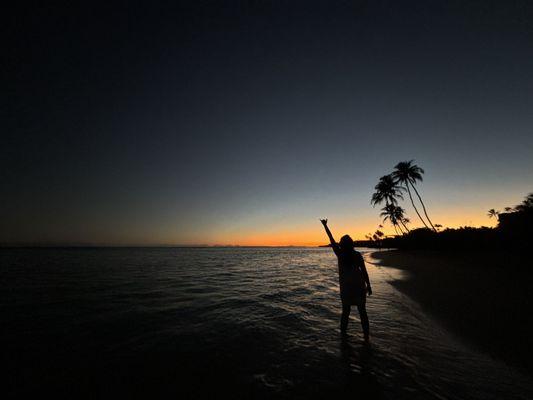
[{"x": 425, "y": 239}]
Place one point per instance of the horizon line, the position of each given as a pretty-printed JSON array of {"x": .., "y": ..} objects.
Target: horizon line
[{"x": 12, "y": 246}]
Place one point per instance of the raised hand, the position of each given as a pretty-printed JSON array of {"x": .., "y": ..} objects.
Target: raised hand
[{"x": 328, "y": 232}]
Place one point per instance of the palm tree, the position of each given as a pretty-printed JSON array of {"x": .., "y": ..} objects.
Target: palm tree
[
  {"x": 387, "y": 190},
  {"x": 493, "y": 213},
  {"x": 389, "y": 213},
  {"x": 399, "y": 214},
  {"x": 408, "y": 174},
  {"x": 508, "y": 209}
]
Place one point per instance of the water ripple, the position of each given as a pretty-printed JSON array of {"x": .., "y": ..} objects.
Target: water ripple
[{"x": 257, "y": 322}]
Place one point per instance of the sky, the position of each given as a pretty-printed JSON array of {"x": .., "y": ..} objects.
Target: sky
[{"x": 243, "y": 123}]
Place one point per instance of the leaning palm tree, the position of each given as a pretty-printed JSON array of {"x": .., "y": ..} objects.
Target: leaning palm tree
[
  {"x": 493, "y": 213},
  {"x": 399, "y": 214},
  {"x": 387, "y": 190},
  {"x": 408, "y": 174},
  {"x": 389, "y": 213}
]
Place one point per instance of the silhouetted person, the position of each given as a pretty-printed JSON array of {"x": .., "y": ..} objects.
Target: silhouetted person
[{"x": 353, "y": 279}]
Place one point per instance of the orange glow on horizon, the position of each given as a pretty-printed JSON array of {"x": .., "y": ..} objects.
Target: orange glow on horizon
[{"x": 315, "y": 236}]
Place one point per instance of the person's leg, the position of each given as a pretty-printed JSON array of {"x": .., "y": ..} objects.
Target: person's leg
[
  {"x": 344, "y": 317},
  {"x": 364, "y": 320}
]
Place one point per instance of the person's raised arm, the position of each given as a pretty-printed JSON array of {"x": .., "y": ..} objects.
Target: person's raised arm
[{"x": 330, "y": 236}]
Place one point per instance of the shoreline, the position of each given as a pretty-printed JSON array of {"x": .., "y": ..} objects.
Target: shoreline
[{"x": 483, "y": 298}]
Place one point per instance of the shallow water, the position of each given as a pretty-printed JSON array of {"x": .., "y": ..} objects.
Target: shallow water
[{"x": 201, "y": 322}]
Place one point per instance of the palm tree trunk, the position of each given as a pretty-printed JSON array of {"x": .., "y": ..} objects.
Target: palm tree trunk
[
  {"x": 395, "y": 228},
  {"x": 424, "y": 207},
  {"x": 400, "y": 228},
  {"x": 413, "y": 203},
  {"x": 405, "y": 226}
]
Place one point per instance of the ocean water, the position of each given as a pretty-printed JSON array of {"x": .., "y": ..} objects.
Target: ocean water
[{"x": 208, "y": 322}]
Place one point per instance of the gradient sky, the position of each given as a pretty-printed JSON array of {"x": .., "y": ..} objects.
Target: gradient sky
[{"x": 212, "y": 122}]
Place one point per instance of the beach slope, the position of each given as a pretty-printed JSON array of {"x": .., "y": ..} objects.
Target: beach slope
[{"x": 484, "y": 298}]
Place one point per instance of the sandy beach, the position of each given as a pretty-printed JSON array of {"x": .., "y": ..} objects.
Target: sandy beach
[{"x": 484, "y": 298}]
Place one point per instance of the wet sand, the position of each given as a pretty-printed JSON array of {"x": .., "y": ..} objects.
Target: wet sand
[{"x": 485, "y": 299}]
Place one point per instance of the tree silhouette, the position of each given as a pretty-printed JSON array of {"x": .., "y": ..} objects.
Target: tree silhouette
[
  {"x": 387, "y": 190},
  {"x": 389, "y": 212},
  {"x": 399, "y": 214},
  {"x": 493, "y": 213},
  {"x": 408, "y": 174},
  {"x": 527, "y": 203}
]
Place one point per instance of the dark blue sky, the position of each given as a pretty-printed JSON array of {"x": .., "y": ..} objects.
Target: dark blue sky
[{"x": 228, "y": 122}]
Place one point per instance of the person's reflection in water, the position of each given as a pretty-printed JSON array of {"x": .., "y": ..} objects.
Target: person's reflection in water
[
  {"x": 357, "y": 360},
  {"x": 353, "y": 280}
]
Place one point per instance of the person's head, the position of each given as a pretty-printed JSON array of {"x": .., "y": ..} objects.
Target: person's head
[{"x": 346, "y": 243}]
